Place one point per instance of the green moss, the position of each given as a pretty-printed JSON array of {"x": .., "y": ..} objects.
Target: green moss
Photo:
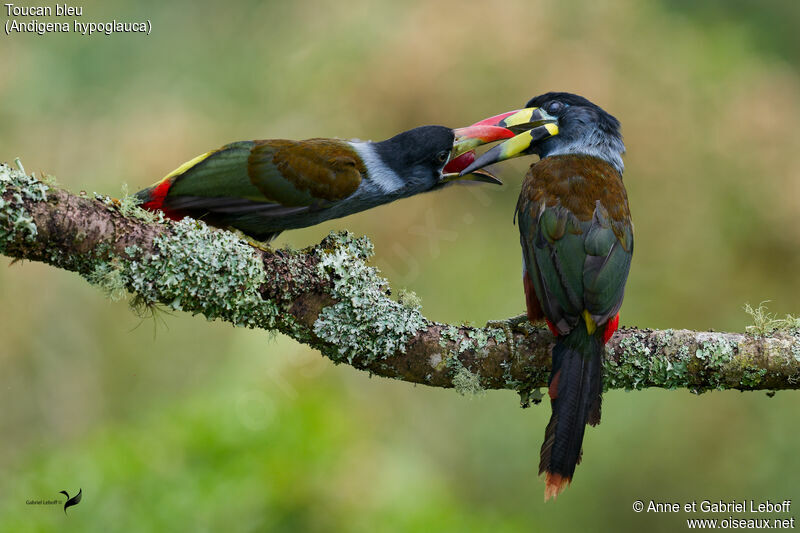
[
  {"x": 629, "y": 372},
  {"x": 765, "y": 322},
  {"x": 668, "y": 374},
  {"x": 364, "y": 322},
  {"x": 466, "y": 383},
  {"x": 203, "y": 271},
  {"x": 751, "y": 377},
  {"x": 110, "y": 278},
  {"x": 480, "y": 339},
  {"x": 133, "y": 251},
  {"x": 714, "y": 355},
  {"x": 498, "y": 334},
  {"x": 510, "y": 382},
  {"x": 128, "y": 204},
  {"x": 15, "y": 220},
  {"x": 475, "y": 339},
  {"x": 449, "y": 332},
  {"x": 638, "y": 367},
  {"x": 409, "y": 299},
  {"x": 744, "y": 368}
]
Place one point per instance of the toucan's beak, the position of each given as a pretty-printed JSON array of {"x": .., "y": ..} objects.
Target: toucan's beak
[
  {"x": 452, "y": 171},
  {"x": 463, "y": 155},
  {"x": 514, "y": 147},
  {"x": 518, "y": 120},
  {"x": 522, "y": 127},
  {"x": 471, "y": 137},
  {"x": 531, "y": 125}
]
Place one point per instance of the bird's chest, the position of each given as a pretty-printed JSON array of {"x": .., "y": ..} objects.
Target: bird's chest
[{"x": 579, "y": 183}]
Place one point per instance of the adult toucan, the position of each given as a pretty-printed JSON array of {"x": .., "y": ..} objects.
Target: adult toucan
[
  {"x": 267, "y": 186},
  {"x": 577, "y": 243}
]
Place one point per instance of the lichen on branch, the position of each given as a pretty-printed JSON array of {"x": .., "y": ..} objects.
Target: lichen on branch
[{"x": 329, "y": 297}]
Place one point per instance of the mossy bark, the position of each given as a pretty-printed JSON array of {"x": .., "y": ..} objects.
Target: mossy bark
[{"x": 328, "y": 297}]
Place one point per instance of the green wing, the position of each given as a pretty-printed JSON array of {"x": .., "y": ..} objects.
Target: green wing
[
  {"x": 574, "y": 265},
  {"x": 287, "y": 173},
  {"x": 255, "y": 185}
]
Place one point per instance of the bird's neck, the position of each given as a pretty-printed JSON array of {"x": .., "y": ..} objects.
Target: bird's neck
[
  {"x": 388, "y": 176},
  {"x": 379, "y": 174},
  {"x": 609, "y": 148}
]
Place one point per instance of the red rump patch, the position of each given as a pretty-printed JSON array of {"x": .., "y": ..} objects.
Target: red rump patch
[
  {"x": 157, "y": 195},
  {"x": 611, "y": 327},
  {"x": 553, "y": 329},
  {"x": 156, "y": 201}
]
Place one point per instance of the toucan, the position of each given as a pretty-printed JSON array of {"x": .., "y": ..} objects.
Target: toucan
[
  {"x": 264, "y": 187},
  {"x": 577, "y": 244}
]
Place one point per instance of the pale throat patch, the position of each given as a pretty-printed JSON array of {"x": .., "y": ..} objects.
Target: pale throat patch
[
  {"x": 387, "y": 180},
  {"x": 609, "y": 150}
]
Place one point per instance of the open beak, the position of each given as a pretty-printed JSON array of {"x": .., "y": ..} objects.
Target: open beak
[
  {"x": 532, "y": 125},
  {"x": 463, "y": 155},
  {"x": 452, "y": 171},
  {"x": 522, "y": 128},
  {"x": 476, "y": 135}
]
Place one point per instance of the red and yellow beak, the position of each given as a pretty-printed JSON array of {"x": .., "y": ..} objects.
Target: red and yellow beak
[
  {"x": 477, "y": 135},
  {"x": 514, "y": 147},
  {"x": 522, "y": 127},
  {"x": 518, "y": 120},
  {"x": 463, "y": 154}
]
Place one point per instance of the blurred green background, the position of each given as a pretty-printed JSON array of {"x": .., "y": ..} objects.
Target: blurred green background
[{"x": 178, "y": 424}]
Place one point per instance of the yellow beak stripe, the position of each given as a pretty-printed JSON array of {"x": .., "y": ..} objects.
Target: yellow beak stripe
[
  {"x": 523, "y": 141},
  {"x": 516, "y": 144},
  {"x": 523, "y": 116}
]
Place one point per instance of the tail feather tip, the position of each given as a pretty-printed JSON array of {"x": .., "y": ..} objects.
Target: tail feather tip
[{"x": 554, "y": 484}]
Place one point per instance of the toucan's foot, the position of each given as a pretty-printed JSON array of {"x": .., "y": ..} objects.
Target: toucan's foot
[
  {"x": 516, "y": 321},
  {"x": 509, "y": 326},
  {"x": 261, "y": 245}
]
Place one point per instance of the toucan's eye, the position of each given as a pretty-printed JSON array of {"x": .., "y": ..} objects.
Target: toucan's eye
[
  {"x": 442, "y": 156},
  {"x": 554, "y": 107}
]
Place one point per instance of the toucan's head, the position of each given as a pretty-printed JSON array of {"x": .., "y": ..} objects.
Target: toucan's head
[
  {"x": 556, "y": 123},
  {"x": 427, "y": 157}
]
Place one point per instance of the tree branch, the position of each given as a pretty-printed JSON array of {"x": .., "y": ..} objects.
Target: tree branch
[{"x": 327, "y": 296}]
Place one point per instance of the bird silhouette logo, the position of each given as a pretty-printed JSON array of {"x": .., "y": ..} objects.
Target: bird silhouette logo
[{"x": 75, "y": 500}]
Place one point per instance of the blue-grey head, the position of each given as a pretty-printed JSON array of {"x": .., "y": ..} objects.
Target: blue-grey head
[{"x": 557, "y": 123}]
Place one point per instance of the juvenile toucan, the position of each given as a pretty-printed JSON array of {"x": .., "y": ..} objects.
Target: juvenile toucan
[
  {"x": 266, "y": 186},
  {"x": 577, "y": 243}
]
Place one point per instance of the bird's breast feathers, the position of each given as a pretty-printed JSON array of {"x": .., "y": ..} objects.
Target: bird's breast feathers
[{"x": 579, "y": 183}]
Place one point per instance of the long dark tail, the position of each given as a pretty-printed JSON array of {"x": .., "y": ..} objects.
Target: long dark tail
[{"x": 576, "y": 385}]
